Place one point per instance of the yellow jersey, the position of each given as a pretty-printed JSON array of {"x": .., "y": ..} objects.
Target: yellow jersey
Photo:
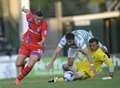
[{"x": 99, "y": 57}]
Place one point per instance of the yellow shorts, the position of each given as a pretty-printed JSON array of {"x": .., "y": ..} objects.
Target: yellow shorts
[{"x": 85, "y": 68}]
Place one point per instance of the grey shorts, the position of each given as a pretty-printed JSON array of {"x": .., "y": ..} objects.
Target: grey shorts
[
  {"x": 75, "y": 54},
  {"x": 72, "y": 52}
]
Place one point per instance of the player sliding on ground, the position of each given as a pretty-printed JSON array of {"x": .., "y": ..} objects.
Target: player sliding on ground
[
  {"x": 99, "y": 56},
  {"x": 33, "y": 43}
]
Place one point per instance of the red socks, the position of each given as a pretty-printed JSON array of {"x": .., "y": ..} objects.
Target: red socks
[{"x": 24, "y": 72}]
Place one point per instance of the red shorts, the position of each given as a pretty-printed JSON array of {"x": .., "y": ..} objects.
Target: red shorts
[{"x": 28, "y": 50}]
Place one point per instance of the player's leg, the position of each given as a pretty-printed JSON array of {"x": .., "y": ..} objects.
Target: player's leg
[
  {"x": 23, "y": 53},
  {"x": 71, "y": 56},
  {"x": 20, "y": 62},
  {"x": 78, "y": 75},
  {"x": 83, "y": 75},
  {"x": 34, "y": 57},
  {"x": 83, "y": 69}
]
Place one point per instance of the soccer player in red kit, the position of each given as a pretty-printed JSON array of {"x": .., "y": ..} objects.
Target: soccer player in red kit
[{"x": 33, "y": 43}]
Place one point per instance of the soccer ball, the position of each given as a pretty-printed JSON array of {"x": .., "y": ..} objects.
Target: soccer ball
[{"x": 68, "y": 76}]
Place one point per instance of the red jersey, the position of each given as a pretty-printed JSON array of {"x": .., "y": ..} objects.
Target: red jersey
[{"x": 35, "y": 32}]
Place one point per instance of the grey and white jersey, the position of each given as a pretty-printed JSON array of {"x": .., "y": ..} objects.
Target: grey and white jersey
[
  {"x": 79, "y": 42},
  {"x": 84, "y": 34},
  {"x": 81, "y": 39}
]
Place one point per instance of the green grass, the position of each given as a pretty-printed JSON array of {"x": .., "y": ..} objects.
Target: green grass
[{"x": 41, "y": 82}]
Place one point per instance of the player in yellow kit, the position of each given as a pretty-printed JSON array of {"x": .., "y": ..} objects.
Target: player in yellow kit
[
  {"x": 99, "y": 56},
  {"x": 82, "y": 67}
]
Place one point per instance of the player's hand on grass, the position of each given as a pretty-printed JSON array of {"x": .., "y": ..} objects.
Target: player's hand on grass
[{"x": 110, "y": 74}]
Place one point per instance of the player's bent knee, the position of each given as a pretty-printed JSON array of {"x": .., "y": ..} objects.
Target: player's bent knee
[
  {"x": 35, "y": 59},
  {"x": 19, "y": 65}
]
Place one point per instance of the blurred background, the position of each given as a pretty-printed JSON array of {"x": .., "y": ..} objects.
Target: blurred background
[{"x": 101, "y": 17}]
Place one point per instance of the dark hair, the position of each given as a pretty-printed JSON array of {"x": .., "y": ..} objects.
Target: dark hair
[
  {"x": 69, "y": 36},
  {"x": 93, "y": 40},
  {"x": 38, "y": 13}
]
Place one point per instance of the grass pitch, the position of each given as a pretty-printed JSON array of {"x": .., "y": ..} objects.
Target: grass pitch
[{"x": 41, "y": 82}]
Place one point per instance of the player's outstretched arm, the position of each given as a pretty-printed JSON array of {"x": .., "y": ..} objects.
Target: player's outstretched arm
[
  {"x": 108, "y": 62},
  {"x": 56, "y": 53}
]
